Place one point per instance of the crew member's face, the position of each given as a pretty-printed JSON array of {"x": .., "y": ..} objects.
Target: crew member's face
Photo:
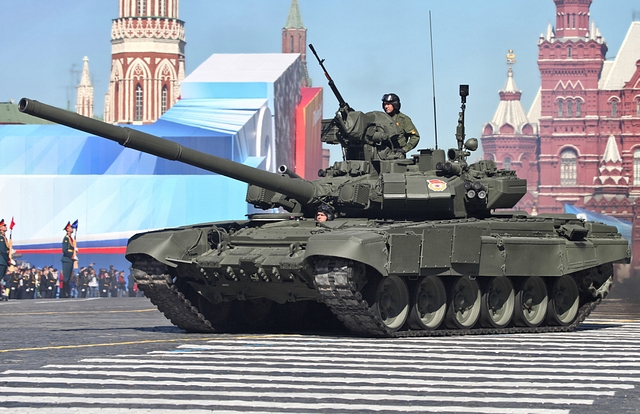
[
  {"x": 69, "y": 230},
  {"x": 320, "y": 216},
  {"x": 388, "y": 107}
]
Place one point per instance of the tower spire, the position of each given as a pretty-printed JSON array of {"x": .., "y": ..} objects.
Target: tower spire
[
  {"x": 84, "y": 104},
  {"x": 294, "y": 39},
  {"x": 294, "y": 20}
]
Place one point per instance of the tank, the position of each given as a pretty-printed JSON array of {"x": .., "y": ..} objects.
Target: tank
[{"x": 419, "y": 246}]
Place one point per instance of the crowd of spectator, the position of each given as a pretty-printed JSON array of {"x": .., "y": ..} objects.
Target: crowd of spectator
[{"x": 28, "y": 282}]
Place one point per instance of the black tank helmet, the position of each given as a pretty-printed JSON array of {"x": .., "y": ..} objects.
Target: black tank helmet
[
  {"x": 327, "y": 210},
  {"x": 393, "y": 99}
]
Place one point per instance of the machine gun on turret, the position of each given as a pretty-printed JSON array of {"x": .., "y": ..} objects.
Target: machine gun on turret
[{"x": 343, "y": 105}]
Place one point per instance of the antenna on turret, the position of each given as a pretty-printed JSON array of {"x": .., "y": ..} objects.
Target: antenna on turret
[{"x": 433, "y": 84}]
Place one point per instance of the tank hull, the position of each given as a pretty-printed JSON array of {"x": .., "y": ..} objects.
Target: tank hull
[{"x": 512, "y": 273}]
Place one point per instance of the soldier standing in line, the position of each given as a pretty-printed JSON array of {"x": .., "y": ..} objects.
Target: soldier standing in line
[
  {"x": 409, "y": 136},
  {"x": 42, "y": 285},
  {"x": 52, "y": 281},
  {"x": 113, "y": 287},
  {"x": 4, "y": 250},
  {"x": 14, "y": 283},
  {"x": 30, "y": 284},
  {"x": 68, "y": 258},
  {"x": 23, "y": 281},
  {"x": 105, "y": 283}
]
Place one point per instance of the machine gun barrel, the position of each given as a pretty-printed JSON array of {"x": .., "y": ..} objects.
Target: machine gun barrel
[
  {"x": 332, "y": 85},
  {"x": 299, "y": 189}
]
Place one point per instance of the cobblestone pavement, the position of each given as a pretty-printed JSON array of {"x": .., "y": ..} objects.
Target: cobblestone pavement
[{"x": 117, "y": 355}]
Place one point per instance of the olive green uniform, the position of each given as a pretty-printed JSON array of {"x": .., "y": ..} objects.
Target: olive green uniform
[
  {"x": 409, "y": 136},
  {"x": 4, "y": 256},
  {"x": 68, "y": 251}
]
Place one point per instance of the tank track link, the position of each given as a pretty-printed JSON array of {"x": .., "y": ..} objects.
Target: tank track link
[
  {"x": 336, "y": 288},
  {"x": 171, "y": 302}
]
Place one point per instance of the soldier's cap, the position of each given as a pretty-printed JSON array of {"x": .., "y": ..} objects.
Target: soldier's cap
[
  {"x": 67, "y": 226},
  {"x": 2, "y": 223}
]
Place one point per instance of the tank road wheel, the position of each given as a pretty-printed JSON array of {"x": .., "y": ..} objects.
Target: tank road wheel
[
  {"x": 429, "y": 304},
  {"x": 497, "y": 303},
  {"x": 563, "y": 301},
  {"x": 531, "y": 302},
  {"x": 391, "y": 302},
  {"x": 464, "y": 304}
]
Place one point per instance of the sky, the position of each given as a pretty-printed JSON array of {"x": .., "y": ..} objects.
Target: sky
[{"x": 370, "y": 47}]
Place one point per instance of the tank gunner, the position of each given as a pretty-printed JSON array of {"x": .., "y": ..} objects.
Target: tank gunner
[
  {"x": 409, "y": 136},
  {"x": 325, "y": 213}
]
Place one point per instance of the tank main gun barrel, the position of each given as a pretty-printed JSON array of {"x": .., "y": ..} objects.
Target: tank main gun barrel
[{"x": 299, "y": 189}]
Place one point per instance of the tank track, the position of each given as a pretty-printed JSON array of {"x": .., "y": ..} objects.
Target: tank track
[
  {"x": 171, "y": 302},
  {"x": 336, "y": 288}
]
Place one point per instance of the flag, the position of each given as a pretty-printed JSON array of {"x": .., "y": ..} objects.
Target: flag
[
  {"x": 75, "y": 225},
  {"x": 13, "y": 223}
]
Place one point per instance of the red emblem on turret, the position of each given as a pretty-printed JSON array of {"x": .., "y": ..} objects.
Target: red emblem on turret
[{"x": 437, "y": 185}]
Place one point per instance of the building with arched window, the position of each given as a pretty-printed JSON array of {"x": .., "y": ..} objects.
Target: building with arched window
[
  {"x": 147, "y": 64},
  {"x": 249, "y": 108},
  {"x": 568, "y": 167},
  {"x": 585, "y": 120}
]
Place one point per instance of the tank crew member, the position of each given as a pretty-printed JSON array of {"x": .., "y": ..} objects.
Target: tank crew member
[
  {"x": 325, "y": 213},
  {"x": 68, "y": 257},
  {"x": 4, "y": 250},
  {"x": 409, "y": 136}
]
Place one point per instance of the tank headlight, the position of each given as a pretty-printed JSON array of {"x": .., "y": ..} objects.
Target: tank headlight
[
  {"x": 477, "y": 185},
  {"x": 471, "y": 194},
  {"x": 482, "y": 194},
  {"x": 467, "y": 185}
]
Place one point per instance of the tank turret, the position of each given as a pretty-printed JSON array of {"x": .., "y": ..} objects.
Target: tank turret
[{"x": 370, "y": 182}]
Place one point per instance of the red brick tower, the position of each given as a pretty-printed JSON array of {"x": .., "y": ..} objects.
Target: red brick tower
[
  {"x": 589, "y": 120},
  {"x": 572, "y": 142},
  {"x": 294, "y": 39},
  {"x": 147, "y": 63},
  {"x": 510, "y": 140}
]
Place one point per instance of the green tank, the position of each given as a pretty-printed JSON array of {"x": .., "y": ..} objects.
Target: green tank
[{"x": 419, "y": 246}]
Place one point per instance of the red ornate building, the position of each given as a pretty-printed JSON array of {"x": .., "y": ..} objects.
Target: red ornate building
[
  {"x": 511, "y": 140},
  {"x": 147, "y": 63},
  {"x": 587, "y": 120}
]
